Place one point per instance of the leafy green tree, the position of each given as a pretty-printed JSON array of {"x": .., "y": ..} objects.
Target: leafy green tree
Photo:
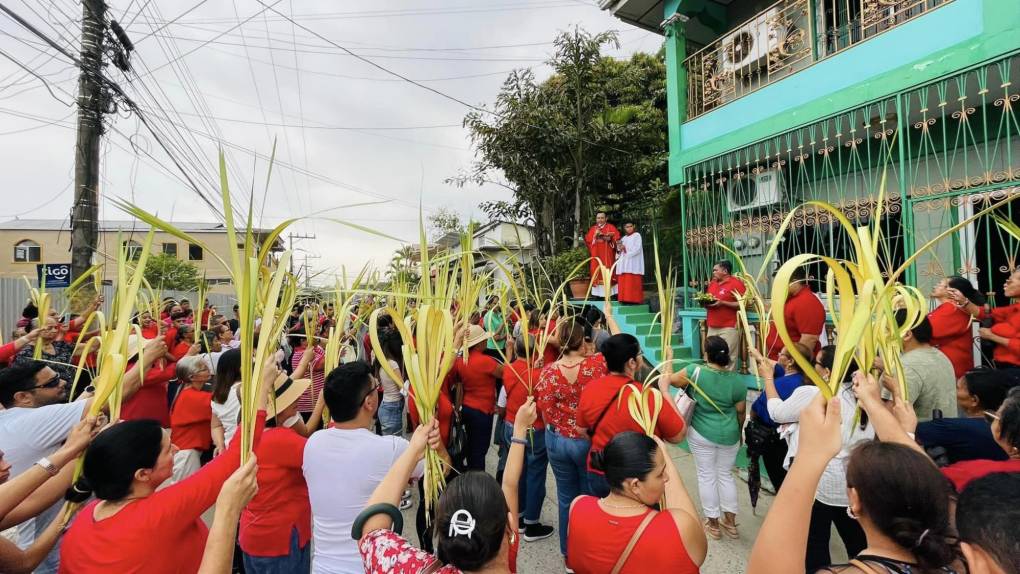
[
  {"x": 591, "y": 137},
  {"x": 165, "y": 271}
]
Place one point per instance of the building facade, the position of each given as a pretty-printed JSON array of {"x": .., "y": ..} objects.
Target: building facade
[
  {"x": 26, "y": 243},
  {"x": 774, "y": 104}
]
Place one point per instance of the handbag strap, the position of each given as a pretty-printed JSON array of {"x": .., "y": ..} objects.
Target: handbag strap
[
  {"x": 694, "y": 383},
  {"x": 591, "y": 431},
  {"x": 633, "y": 542}
]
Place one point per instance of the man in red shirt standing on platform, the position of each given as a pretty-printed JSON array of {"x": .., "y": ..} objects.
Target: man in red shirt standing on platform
[
  {"x": 601, "y": 241},
  {"x": 721, "y": 315},
  {"x": 804, "y": 317},
  {"x": 603, "y": 409}
]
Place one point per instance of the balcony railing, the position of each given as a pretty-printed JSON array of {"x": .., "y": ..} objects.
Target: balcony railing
[{"x": 781, "y": 40}]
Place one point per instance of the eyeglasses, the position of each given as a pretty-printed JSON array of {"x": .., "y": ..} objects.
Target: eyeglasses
[
  {"x": 991, "y": 416},
  {"x": 50, "y": 384}
]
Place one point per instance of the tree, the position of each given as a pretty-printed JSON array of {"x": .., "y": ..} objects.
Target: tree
[
  {"x": 591, "y": 137},
  {"x": 165, "y": 271},
  {"x": 441, "y": 222}
]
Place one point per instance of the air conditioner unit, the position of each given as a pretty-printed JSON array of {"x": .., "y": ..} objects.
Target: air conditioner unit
[
  {"x": 746, "y": 47},
  {"x": 759, "y": 190}
]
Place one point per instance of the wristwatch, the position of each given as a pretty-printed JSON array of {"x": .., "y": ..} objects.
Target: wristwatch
[
  {"x": 515, "y": 440},
  {"x": 48, "y": 466}
]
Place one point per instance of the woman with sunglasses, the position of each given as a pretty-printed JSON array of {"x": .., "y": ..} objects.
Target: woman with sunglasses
[{"x": 190, "y": 431}]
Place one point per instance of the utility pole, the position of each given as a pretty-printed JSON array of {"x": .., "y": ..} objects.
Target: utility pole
[
  {"x": 290, "y": 245},
  {"x": 91, "y": 106}
]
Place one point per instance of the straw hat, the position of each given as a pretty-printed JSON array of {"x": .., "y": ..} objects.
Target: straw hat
[
  {"x": 287, "y": 391},
  {"x": 476, "y": 335}
]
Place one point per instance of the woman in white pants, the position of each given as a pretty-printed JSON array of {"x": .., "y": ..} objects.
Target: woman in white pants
[{"x": 714, "y": 435}]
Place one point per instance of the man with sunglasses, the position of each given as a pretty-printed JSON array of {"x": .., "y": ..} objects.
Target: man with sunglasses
[{"x": 36, "y": 419}]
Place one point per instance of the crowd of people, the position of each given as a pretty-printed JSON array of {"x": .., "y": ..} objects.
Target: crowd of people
[{"x": 920, "y": 482}]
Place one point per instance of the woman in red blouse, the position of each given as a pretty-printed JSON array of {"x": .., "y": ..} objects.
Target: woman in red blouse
[
  {"x": 276, "y": 526},
  {"x": 150, "y": 402},
  {"x": 475, "y": 378},
  {"x": 640, "y": 475},
  {"x": 1005, "y": 332},
  {"x": 133, "y": 527},
  {"x": 557, "y": 394},
  {"x": 951, "y": 326},
  {"x": 190, "y": 431}
]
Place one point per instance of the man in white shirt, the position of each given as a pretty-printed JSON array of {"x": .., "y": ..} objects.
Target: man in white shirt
[
  {"x": 344, "y": 463},
  {"x": 630, "y": 267},
  {"x": 36, "y": 419}
]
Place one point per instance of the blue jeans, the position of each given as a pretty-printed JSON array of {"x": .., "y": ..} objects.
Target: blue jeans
[
  {"x": 391, "y": 417},
  {"x": 568, "y": 457},
  {"x": 298, "y": 560},
  {"x": 531, "y": 487},
  {"x": 479, "y": 436}
]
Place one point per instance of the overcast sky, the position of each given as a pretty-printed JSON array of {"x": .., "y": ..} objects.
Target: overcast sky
[{"x": 268, "y": 78}]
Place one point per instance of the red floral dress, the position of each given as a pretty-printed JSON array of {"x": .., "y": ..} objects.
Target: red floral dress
[
  {"x": 557, "y": 398},
  {"x": 385, "y": 551}
]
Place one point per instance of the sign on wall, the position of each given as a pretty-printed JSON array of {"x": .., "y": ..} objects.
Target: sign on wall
[{"x": 57, "y": 274}]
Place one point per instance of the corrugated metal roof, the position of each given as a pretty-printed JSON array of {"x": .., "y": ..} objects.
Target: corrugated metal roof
[{"x": 114, "y": 225}]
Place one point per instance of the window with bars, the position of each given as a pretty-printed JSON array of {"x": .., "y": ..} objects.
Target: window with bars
[{"x": 27, "y": 251}]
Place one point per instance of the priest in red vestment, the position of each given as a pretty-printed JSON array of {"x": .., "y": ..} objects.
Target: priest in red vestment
[{"x": 601, "y": 241}]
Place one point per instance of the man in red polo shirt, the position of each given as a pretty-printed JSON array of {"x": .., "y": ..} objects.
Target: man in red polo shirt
[
  {"x": 721, "y": 316},
  {"x": 603, "y": 409},
  {"x": 803, "y": 315}
]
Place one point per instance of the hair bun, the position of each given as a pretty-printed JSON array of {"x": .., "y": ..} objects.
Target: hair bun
[
  {"x": 79, "y": 492},
  {"x": 598, "y": 460}
]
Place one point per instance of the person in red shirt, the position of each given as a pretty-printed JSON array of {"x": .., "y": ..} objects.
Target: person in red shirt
[
  {"x": 721, "y": 315},
  {"x": 604, "y": 412},
  {"x": 276, "y": 526},
  {"x": 641, "y": 476},
  {"x": 803, "y": 315},
  {"x": 475, "y": 378},
  {"x": 951, "y": 326},
  {"x": 150, "y": 327},
  {"x": 1005, "y": 332},
  {"x": 10, "y": 350},
  {"x": 133, "y": 527},
  {"x": 519, "y": 379},
  {"x": 190, "y": 429},
  {"x": 183, "y": 342},
  {"x": 151, "y": 400}
]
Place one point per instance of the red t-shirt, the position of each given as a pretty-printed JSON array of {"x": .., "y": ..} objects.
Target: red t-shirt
[
  {"x": 1007, "y": 324},
  {"x": 477, "y": 372},
  {"x": 282, "y": 500},
  {"x": 605, "y": 392},
  {"x": 517, "y": 378},
  {"x": 951, "y": 334},
  {"x": 189, "y": 421},
  {"x": 961, "y": 473},
  {"x": 152, "y": 331},
  {"x": 596, "y": 539},
  {"x": 803, "y": 315},
  {"x": 149, "y": 402},
  {"x": 162, "y": 533},
  {"x": 7, "y": 352},
  {"x": 722, "y": 317},
  {"x": 180, "y": 350},
  {"x": 557, "y": 398},
  {"x": 444, "y": 410}
]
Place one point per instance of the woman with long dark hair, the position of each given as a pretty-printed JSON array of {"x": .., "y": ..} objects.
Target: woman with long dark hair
[
  {"x": 624, "y": 532},
  {"x": 133, "y": 526},
  {"x": 391, "y": 409},
  {"x": 226, "y": 399}
]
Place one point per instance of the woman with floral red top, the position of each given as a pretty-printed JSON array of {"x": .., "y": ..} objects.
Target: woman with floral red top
[
  {"x": 519, "y": 380},
  {"x": 133, "y": 527},
  {"x": 276, "y": 526},
  {"x": 951, "y": 326},
  {"x": 476, "y": 518},
  {"x": 558, "y": 393}
]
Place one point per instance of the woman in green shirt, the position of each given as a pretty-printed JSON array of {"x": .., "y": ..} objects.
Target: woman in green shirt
[{"x": 714, "y": 435}]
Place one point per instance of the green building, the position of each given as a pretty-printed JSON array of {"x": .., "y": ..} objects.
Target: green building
[{"x": 771, "y": 105}]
